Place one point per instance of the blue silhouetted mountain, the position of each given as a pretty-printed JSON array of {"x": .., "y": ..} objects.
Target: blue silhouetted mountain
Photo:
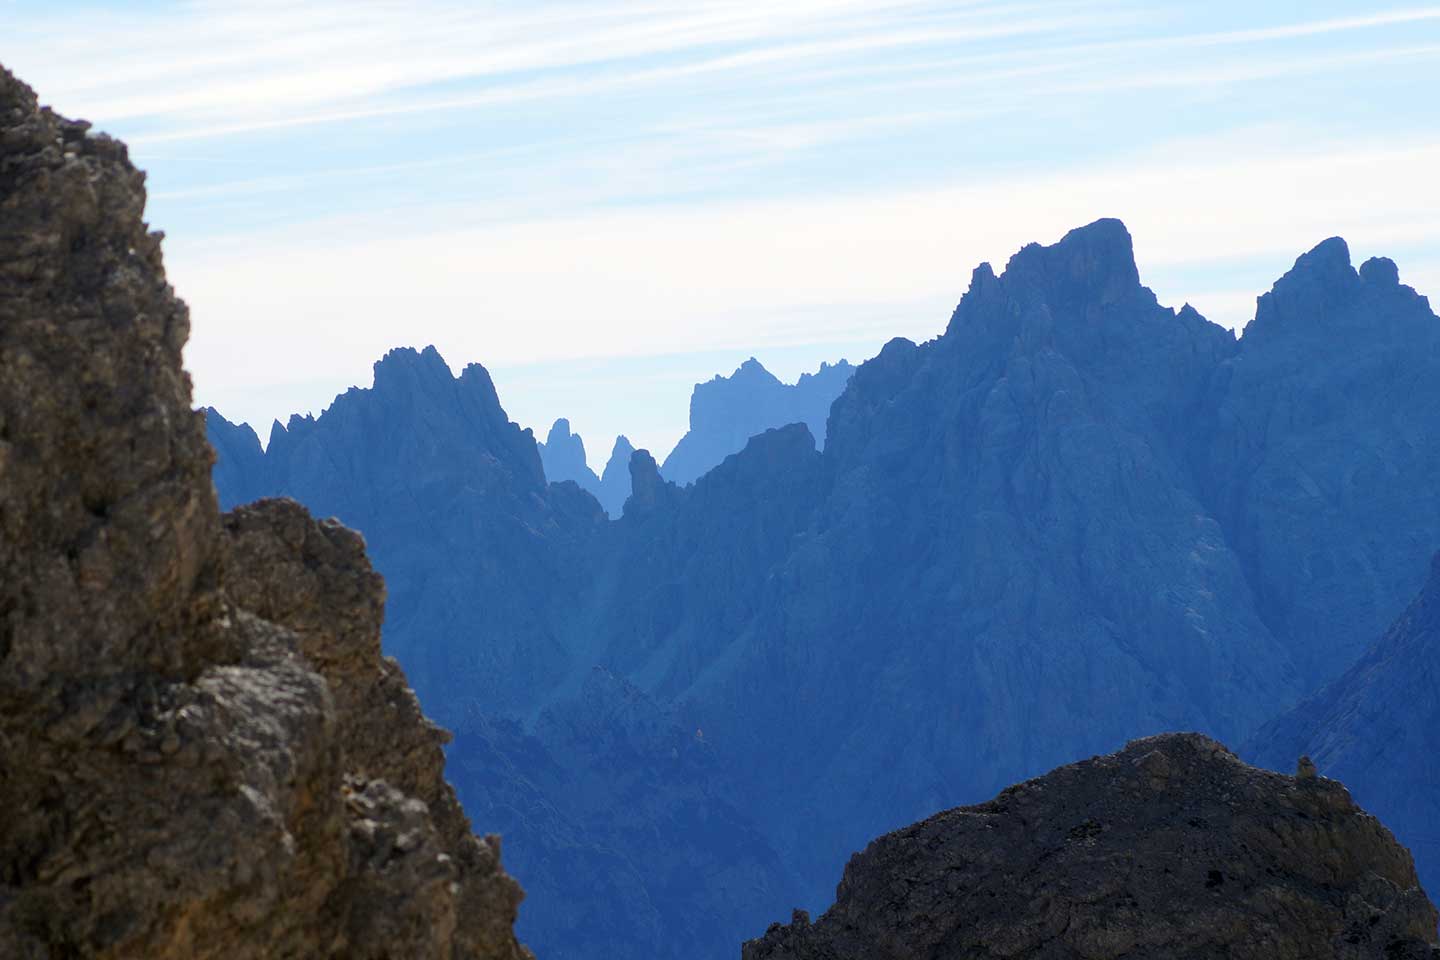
[
  {"x": 725, "y": 412},
  {"x": 1320, "y": 454},
  {"x": 1075, "y": 518},
  {"x": 239, "y": 471},
  {"x": 622, "y": 823},
  {"x": 454, "y": 506},
  {"x": 615, "y": 480},
  {"x": 1377, "y": 729},
  {"x": 563, "y": 457}
]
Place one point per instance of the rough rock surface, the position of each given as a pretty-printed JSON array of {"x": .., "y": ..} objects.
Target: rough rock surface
[
  {"x": 1170, "y": 848},
  {"x": 725, "y": 412},
  {"x": 1378, "y": 728},
  {"x": 202, "y": 753}
]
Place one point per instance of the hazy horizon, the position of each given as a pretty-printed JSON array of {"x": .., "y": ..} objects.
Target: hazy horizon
[{"x": 605, "y": 206}]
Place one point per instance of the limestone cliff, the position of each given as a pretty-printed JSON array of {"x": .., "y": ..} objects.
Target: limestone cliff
[{"x": 204, "y": 753}]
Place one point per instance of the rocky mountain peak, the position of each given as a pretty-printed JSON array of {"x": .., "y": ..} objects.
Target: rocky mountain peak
[
  {"x": 563, "y": 454},
  {"x": 406, "y": 367},
  {"x": 1380, "y": 272},
  {"x": 1090, "y": 264},
  {"x": 725, "y": 412},
  {"x": 751, "y": 369},
  {"x": 1171, "y": 847},
  {"x": 560, "y": 432}
]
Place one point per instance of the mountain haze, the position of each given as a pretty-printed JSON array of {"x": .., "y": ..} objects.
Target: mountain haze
[
  {"x": 563, "y": 457},
  {"x": 725, "y": 412},
  {"x": 1075, "y": 518}
]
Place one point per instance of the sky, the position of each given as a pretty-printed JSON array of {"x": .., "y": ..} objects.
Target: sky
[{"x": 606, "y": 202}]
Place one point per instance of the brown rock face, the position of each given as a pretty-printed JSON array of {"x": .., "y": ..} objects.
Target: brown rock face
[
  {"x": 202, "y": 751},
  {"x": 1170, "y": 848}
]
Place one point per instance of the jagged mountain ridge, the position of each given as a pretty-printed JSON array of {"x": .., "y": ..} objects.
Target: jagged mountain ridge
[
  {"x": 725, "y": 412},
  {"x": 1378, "y": 728},
  {"x": 615, "y": 479},
  {"x": 449, "y": 495},
  {"x": 563, "y": 457},
  {"x": 1044, "y": 533}
]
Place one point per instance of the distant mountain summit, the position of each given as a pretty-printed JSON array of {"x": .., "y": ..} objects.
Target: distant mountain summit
[
  {"x": 615, "y": 481},
  {"x": 725, "y": 412},
  {"x": 1075, "y": 518},
  {"x": 453, "y": 502},
  {"x": 563, "y": 457}
]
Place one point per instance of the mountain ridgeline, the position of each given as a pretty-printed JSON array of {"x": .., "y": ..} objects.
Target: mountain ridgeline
[
  {"x": 1075, "y": 518},
  {"x": 725, "y": 412}
]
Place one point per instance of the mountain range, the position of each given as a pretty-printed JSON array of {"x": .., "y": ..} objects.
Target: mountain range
[
  {"x": 725, "y": 412},
  {"x": 206, "y": 754},
  {"x": 1075, "y": 518}
]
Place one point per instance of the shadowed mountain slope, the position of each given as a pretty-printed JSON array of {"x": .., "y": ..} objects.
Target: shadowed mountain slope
[
  {"x": 1378, "y": 727},
  {"x": 615, "y": 480},
  {"x": 1075, "y": 518},
  {"x": 454, "y": 506}
]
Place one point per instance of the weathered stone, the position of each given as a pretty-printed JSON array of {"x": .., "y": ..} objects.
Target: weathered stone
[
  {"x": 1089, "y": 861},
  {"x": 202, "y": 752}
]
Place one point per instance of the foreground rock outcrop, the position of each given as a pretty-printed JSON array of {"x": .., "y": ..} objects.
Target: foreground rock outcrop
[
  {"x": 1378, "y": 728},
  {"x": 1171, "y": 847},
  {"x": 202, "y": 752}
]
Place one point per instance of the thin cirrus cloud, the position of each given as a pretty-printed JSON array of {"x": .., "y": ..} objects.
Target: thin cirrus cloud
[
  {"x": 842, "y": 271},
  {"x": 572, "y": 184}
]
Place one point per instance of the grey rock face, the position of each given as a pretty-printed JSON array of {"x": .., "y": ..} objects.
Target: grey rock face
[
  {"x": 194, "y": 759},
  {"x": 1170, "y": 848},
  {"x": 725, "y": 412},
  {"x": 625, "y": 824},
  {"x": 1377, "y": 727}
]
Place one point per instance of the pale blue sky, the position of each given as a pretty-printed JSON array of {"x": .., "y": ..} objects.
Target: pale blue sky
[{"x": 604, "y": 202}]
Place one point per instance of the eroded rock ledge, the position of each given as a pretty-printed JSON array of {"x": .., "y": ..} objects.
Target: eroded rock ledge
[
  {"x": 202, "y": 751},
  {"x": 1170, "y": 848}
]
